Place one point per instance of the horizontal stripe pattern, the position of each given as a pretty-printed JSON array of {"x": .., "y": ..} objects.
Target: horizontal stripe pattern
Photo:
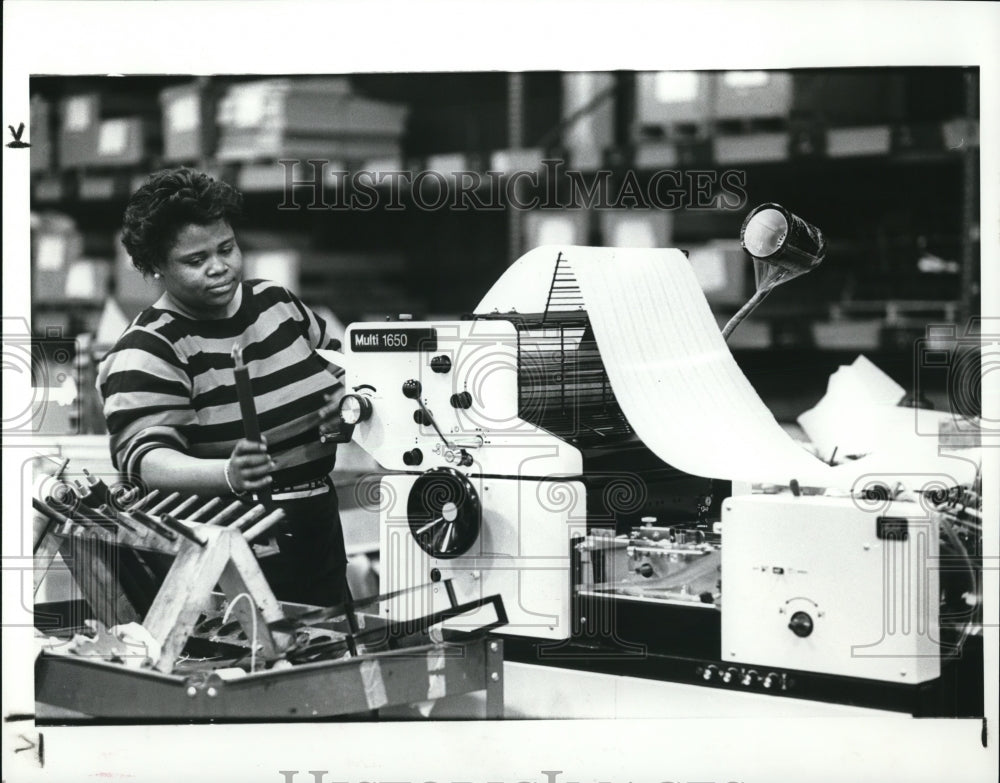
[{"x": 169, "y": 381}]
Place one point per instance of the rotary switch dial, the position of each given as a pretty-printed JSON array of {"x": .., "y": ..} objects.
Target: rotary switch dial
[
  {"x": 801, "y": 624},
  {"x": 444, "y": 513}
]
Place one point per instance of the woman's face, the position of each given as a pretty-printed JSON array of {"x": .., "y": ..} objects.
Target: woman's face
[{"x": 203, "y": 269}]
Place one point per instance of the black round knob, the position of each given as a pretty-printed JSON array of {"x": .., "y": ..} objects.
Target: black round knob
[
  {"x": 441, "y": 364},
  {"x": 421, "y": 418},
  {"x": 645, "y": 570},
  {"x": 413, "y": 457},
  {"x": 435, "y": 574},
  {"x": 801, "y": 624},
  {"x": 461, "y": 400},
  {"x": 412, "y": 389}
]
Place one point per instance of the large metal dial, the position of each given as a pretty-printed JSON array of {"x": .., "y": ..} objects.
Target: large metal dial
[{"x": 444, "y": 513}]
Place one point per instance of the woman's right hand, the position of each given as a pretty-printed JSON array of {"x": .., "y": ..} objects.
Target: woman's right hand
[{"x": 250, "y": 466}]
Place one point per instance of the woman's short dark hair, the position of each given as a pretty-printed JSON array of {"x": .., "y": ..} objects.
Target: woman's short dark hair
[{"x": 168, "y": 201}]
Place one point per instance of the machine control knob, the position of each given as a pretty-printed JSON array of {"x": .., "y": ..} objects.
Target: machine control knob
[
  {"x": 354, "y": 409},
  {"x": 413, "y": 457},
  {"x": 750, "y": 678},
  {"x": 801, "y": 624},
  {"x": 464, "y": 458},
  {"x": 412, "y": 389},
  {"x": 646, "y": 569},
  {"x": 421, "y": 417},
  {"x": 729, "y": 674},
  {"x": 441, "y": 364},
  {"x": 461, "y": 400},
  {"x": 709, "y": 672},
  {"x": 770, "y": 681}
]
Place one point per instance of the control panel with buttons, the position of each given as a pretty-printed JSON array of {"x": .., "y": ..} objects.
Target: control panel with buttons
[{"x": 423, "y": 395}]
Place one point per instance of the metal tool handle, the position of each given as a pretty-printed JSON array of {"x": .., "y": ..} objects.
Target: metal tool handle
[{"x": 248, "y": 411}]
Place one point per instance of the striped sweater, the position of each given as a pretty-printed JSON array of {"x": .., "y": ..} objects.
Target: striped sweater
[{"x": 168, "y": 381}]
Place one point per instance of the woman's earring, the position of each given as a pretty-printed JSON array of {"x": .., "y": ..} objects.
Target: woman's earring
[{"x": 156, "y": 275}]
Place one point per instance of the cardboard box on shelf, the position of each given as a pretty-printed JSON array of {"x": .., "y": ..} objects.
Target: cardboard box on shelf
[
  {"x": 39, "y": 135},
  {"x": 656, "y": 154},
  {"x": 848, "y": 334},
  {"x": 280, "y": 266},
  {"x": 556, "y": 227},
  {"x": 87, "y": 279},
  {"x": 670, "y": 98},
  {"x": 744, "y": 95},
  {"x": 188, "y": 118},
  {"x": 846, "y": 142},
  {"x": 636, "y": 227},
  {"x": 751, "y": 147},
  {"x": 55, "y": 245},
  {"x": 275, "y": 118},
  {"x": 123, "y": 141},
  {"x": 79, "y": 130}
]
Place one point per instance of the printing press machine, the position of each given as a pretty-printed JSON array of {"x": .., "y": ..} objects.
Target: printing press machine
[
  {"x": 513, "y": 470},
  {"x": 546, "y": 501}
]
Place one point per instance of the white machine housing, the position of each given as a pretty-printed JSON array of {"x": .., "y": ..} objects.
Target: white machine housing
[
  {"x": 530, "y": 506},
  {"x": 870, "y": 592}
]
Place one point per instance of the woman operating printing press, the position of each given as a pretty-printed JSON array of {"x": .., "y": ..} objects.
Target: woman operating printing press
[{"x": 169, "y": 390}]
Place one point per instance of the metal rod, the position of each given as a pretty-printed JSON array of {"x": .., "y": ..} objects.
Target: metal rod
[{"x": 744, "y": 311}]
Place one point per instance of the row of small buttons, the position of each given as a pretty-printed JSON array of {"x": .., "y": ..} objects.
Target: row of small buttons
[{"x": 748, "y": 678}]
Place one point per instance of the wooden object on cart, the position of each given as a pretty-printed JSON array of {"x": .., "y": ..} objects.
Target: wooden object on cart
[
  {"x": 94, "y": 542},
  {"x": 226, "y": 560}
]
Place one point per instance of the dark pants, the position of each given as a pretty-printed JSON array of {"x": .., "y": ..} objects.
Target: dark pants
[{"x": 311, "y": 567}]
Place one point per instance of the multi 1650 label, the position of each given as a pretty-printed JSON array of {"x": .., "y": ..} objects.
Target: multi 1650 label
[{"x": 368, "y": 340}]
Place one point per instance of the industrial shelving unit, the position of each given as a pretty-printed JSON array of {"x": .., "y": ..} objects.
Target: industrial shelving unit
[{"x": 910, "y": 193}]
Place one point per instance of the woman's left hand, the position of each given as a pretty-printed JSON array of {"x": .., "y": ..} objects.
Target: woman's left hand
[{"x": 329, "y": 414}]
